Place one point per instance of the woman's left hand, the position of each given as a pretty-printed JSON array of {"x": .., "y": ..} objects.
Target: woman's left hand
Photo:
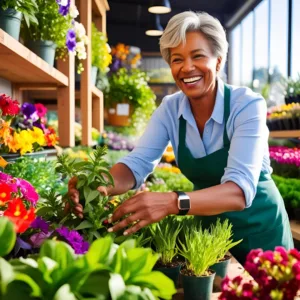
[{"x": 144, "y": 208}]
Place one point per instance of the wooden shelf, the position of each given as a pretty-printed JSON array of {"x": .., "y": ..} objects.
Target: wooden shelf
[
  {"x": 20, "y": 65},
  {"x": 285, "y": 134},
  {"x": 295, "y": 227},
  {"x": 100, "y": 7}
]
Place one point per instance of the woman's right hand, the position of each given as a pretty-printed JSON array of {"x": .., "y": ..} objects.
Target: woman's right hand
[{"x": 76, "y": 207}]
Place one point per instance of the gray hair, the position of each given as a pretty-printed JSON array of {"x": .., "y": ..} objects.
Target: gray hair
[{"x": 175, "y": 33}]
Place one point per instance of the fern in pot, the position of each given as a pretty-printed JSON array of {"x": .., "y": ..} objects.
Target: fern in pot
[
  {"x": 222, "y": 233},
  {"x": 164, "y": 238},
  {"x": 200, "y": 251},
  {"x": 11, "y": 13}
]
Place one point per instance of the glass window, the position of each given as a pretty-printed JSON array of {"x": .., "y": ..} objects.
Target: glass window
[
  {"x": 235, "y": 55},
  {"x": 247, "y": 50},
  {"x": 278, "y": 39},
  {"x": 261, "y": 29},
  {"x": 295, "y": 39}
]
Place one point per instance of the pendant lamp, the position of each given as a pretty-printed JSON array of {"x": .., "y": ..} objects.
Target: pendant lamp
[
  {"x": 160, "y": 7},
  {"x": 154, "y": 28}
]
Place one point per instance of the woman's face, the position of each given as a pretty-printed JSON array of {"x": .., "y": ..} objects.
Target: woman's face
[{"x": 193, "y": 66}]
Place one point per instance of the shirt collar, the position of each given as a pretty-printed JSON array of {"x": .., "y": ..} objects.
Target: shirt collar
[{"x": 218, "y": 112}]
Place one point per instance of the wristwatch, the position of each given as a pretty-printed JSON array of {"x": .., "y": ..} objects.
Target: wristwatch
[{"x": 183, "y": 202}]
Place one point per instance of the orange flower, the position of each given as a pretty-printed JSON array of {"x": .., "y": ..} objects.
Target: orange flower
[
  {"x": 5, "y": 191},
  {"x": 18, "y": 214},
  {"x": 3, "y": 162}
]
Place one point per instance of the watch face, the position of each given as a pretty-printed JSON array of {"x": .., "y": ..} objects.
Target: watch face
[{"x": 185, "y": 204}]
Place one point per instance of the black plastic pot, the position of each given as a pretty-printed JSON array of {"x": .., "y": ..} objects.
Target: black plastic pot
[
  {"x": 221, "y": 267},
  {"x": 287, "y": 124},
  {"x": 198, "y": 288},
  {"x": 172, "y": 273}
]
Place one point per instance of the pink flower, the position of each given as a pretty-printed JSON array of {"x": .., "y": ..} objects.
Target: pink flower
[
  {"x": 296, "y": 268},
  {"x": 295, "y": 253},
  {"x": 268, "y": 255},
  {"x": 28, "y": 191},
  {"x": 40, "y": 109},
  {"x": 37, "y": 239}
]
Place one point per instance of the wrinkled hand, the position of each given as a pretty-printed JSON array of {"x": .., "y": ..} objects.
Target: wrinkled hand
[
  {"x": 144, "y": 208},
  {"x": 73, "y": 193}
]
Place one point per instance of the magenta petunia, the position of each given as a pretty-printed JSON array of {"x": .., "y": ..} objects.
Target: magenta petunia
[
  {"x": 28, "y": 191},
  {"x": 41, "y": 110}
]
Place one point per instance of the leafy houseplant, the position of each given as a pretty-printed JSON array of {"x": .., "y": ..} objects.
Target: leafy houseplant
[
  {"x": 164, "y": 235},
  {"x": 11, "y": 12},
  {"x": 49, "y": 32},
  {"x": 222, "y": 233},
  {"x": 200, "y": 251},
  {"x": 106, "y": 271}
]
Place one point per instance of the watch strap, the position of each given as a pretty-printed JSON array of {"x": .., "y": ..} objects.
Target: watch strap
[{"x": 182, "y": 212}]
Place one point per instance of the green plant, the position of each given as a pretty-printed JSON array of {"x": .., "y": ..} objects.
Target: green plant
[
  {"x": 292, "y": 87},
  {"x": 101, "y": 57},
  {"x": 51, "y": 25},
  {"x": 132, "y": 87},
  {"x": 199, "y": 249},
  {"x": 90, "y": 175},
  {"x": 28, "y": 8},
  {"x": 222, "y": 234},
  {"x": 7, "y": 237},
  {"x": 106, "y": 271},
  {"x": 164, "y": 236}
]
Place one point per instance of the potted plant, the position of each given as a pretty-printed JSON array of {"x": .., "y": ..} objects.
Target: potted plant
[
  {"x": 292, "y": 92},
  {"x": 129, "y": 99},
  {"x": 49, "y": 32},
  {"x": 222, "y": 233},
  {"x": 11, "y": 12},
  {"x": 164, "y": 239},
  {"x": 200, "y": 251},
  {"x": 101, "y": 57}
]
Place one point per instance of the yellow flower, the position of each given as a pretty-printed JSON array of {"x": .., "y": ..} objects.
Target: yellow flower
[
  {"x": 25, "y": 142},
  {"x": 37, "y": 135},
  {"x": 3, "y": 162},
  {"x": 14, "y": 143}
]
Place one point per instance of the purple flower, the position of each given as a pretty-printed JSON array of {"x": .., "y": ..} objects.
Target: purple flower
[
  {"x": 63, "y": 7},
  {"x": 37, "y": 239},
  {"x": 71, "y": 40},
  {"x": 28, "y": 109},
  {"x": 39, "y": 223},
  {"x": 74, "y": 239}
]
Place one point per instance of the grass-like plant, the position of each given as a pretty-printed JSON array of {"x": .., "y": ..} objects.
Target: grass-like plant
[
  {"x": 222, "y": 234},
  {"x": 165, "y": 235},
  {"x": 199, "y": 249}
]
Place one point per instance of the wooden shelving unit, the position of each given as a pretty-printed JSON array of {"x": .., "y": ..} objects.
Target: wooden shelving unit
[
  {"x": 285, "y": 134},
  {"x": 295, "y": 227},
  {"x": 20, "y": 65}
]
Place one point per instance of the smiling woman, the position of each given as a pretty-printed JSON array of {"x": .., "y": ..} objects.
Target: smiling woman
[{"x": 220, "y": 140}]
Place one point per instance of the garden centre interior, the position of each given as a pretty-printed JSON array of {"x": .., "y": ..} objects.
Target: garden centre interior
[{"x": 79, "y": 82}]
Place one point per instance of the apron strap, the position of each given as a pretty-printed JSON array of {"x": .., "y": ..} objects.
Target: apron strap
[
  {"x": 182, "y": 132},
  {"x": 226, "y": 114}
]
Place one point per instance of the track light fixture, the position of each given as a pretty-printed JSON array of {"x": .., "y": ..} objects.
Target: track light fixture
[{"x": 160, "y": 7}]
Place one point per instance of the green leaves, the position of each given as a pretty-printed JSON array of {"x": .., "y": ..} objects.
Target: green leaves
[
  {"x": 6, "y": 275},
  {"x": 7, "y": 234}
]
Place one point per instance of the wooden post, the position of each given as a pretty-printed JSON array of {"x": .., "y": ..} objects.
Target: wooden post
[
  {"x": 98, "y": 110},
  {"x": 66, "y": 103},
  {"x": 85, "y": 90}
]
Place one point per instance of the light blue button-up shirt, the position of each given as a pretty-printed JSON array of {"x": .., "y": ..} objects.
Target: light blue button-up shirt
[{"x": 246, "y": 128}]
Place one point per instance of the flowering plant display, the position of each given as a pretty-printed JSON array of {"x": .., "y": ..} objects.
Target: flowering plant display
[
  {"x": 275, "y": 275},
  {"x": 18, "y": 199},
  {"x": 23, "y": 129},
  {"x": 285, "y": 155}
]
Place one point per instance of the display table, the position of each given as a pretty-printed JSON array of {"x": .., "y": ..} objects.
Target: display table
[{"x": 234, "y": 270}]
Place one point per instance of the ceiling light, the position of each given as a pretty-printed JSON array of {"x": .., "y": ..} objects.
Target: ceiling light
[
  {"x": 154, "y": 28},
  {"x": 160, "y": 7}
]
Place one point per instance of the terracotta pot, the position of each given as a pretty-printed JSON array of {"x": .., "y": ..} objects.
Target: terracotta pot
[{"x": 119, "y": 114}]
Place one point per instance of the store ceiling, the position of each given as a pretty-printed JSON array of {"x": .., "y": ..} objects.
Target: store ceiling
[{"x": 127, "y": 19}]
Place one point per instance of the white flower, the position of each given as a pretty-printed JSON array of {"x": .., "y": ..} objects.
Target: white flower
[
  {"x": 79, "y": 29},
  {"x": 74, "y": 11},
  {"x": 108, "y": 48},
  {"x": 63, "y": 2},
  {"x": 85, "y": 39}
]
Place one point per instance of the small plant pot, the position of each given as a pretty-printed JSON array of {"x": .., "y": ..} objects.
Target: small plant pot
[
  {"x": 10, "y": 22},
  {"x": 172, "y": 273},
  {"x": 44, "y": 49},
  {"x": 221, "y": 267},
  {"x": 287, "y": 124},
  {"x": 270, "y": 124},
  {"x": 117, "y": 116},
  {"x": 198, "y": 288},
  {"x": 296, "y": 123}
]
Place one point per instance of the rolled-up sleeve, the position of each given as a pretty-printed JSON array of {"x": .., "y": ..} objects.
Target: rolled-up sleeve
[
  {"x": 247, "y": 148},
  {"x": 146, "y": 155}
]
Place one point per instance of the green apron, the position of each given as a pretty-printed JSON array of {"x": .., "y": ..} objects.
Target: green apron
[{"x": 265, "y": 223}]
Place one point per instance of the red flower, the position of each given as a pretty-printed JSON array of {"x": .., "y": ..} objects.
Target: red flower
[
  {"x": 8, "y": 106},
  {"x": 40, "y": 109},
  {"x": 18, "y": 214},
  {"x": 5, "y": 191},
  {"x": 295, "y": 253}
]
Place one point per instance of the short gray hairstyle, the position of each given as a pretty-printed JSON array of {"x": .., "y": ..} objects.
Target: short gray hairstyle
[{"x": 175, "y": 33}]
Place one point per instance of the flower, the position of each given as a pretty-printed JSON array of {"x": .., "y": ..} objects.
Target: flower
[
  {"x": 8, "y": 106},
  {"x": 18, "y": 214},
  {"x": 40, "y": 223},
  {"x": 71, "y": 40},
  {"x": 276, "y": 275},
  {"x": 3, "y": 162},
  {"x": 38, "y": 238},
  {"x": 75, "y": 240},
  {"x": 28, "y": 110},
  {"x": 64, "y": 6},
  {"x": 5, "y": 192},
  {"x": 40, "y": 109}
]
